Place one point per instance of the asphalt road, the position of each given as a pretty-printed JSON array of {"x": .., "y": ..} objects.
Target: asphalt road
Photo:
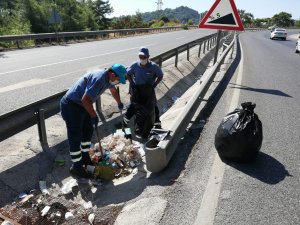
[
  {"x": 266, "y": 191},
  {"x": 32, "y": 74}
]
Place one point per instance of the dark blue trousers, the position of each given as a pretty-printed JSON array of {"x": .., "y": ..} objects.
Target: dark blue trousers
[{"x": 79, "y": 128}]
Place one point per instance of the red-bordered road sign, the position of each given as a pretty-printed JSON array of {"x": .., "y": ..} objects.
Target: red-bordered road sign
[{"x": 223, "y": 15}]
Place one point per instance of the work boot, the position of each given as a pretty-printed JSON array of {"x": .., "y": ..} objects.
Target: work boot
[
  {"x": 80, "y": 172},
  {"x": 86, "y": 159}
]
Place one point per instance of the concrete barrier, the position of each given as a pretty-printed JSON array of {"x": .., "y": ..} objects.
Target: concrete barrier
[{"x": 158, "y": 154}]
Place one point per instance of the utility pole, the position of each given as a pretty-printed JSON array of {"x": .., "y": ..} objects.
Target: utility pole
[{"x": 159, "y": 4}]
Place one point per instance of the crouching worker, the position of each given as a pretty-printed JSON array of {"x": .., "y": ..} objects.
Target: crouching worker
[{"x": 79, "y": 114}]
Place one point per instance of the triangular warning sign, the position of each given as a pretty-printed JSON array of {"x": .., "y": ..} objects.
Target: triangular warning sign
[{"x": 223, "y": 15}]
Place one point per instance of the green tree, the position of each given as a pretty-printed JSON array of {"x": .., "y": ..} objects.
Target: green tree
[
  {"x": 126, "y": 22},
  {"x": 190, "y": 22},
  {"x": 262, "y": 22},
  {"x": 283, "y": 19},
  {"x": 165, "y": 19},
  {"x": 247, "y": 18},
  {"x": 297, "y": 23},
  {"x": 38, "y": 13},
  {"x": 12, "y": 20},
  {"x": 101, "y": 9}
]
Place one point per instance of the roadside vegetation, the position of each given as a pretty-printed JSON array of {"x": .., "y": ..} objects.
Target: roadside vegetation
[{"x": 34, "y": 16}]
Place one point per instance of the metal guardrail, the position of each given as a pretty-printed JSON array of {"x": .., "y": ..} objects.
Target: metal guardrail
[
  {"x": 101, "y": 33},
  {"x": 158, "y": 155},
  {"x": 20, "y": 119}
]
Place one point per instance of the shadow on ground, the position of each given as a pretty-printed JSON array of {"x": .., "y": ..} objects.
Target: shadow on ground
[{"x": 264, "y": 168}]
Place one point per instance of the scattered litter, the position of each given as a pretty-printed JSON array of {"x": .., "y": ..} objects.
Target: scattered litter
[
  {"x": 173, "y": 181},
  {"x": 90, "y": 169},
  {"x": 67, "y": 187},
  {"x": 25, "y": 199},
  {"x": 60, "y": 162},
  {"x": 88, "y": 205},
  {"x": 94, "y": 190},
  {"x": 5, "y": 222},
  {"x": 174, "y": 98},
  {"x": 22, "y": 195},
  {"x": 45, "y": 210},
  {"x": 91, "y": 218},
  {"x": 69, "y": 216},
  {"x": 43, "y": 187},
  {"x": 119, "y": 154},
  {"x": 159, "y": 134}
]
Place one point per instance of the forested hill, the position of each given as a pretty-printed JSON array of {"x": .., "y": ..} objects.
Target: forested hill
[{"x": 182, "y": 14}]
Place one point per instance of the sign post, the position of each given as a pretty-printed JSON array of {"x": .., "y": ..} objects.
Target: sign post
[
  {"x": 55, "y": 19},
  {"x": 223, "y": 15}
]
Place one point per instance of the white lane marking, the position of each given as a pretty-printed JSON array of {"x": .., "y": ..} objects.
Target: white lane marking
[
  {"x": 82, "y": 70},
  {"x": 72, "y": 60},
  {"x": 209, "y": 203},
  {"x": 27, "y": 83},
  {"x": 34, "y": 82}
]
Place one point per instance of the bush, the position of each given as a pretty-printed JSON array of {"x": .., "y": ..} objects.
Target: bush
[{"x": 13, "y": 25}]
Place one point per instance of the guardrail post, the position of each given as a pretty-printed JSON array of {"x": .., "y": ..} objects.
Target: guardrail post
[
  {"x": 176, "y": 57},
  {"x": 217, "y": 47},
  {"x": 160, "y": 61},
  {"x": 199, "y": 52},
  {"x": 204, "y": 47},
  {"x": 42, "y": 127},
  {"x": 207, "y": 45},
  {"x": 188, "y": 52},
  {"x": 18, "y": 44}
]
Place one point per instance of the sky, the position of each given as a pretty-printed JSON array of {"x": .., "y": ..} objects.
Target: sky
[{"x": 259, "y": 8}]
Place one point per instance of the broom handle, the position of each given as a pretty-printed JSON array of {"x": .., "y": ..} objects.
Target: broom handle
[
  {"x": 118, "y": 90},
  {"x": 98, "y": 138}
]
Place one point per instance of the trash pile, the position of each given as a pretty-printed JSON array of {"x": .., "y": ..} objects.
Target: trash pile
[
  {"x": 116, "y": 157},
  {"x": 37, "y": 209}
]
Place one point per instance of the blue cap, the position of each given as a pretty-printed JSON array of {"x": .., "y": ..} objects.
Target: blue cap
[
  {"x": 144, "y": 51},
  {"x": 120, "y": 71}
]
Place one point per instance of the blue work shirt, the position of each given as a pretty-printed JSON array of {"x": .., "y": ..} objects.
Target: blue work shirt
[
  {"x": 92, "y": 84},
  {"x": 144, "y": 75}
]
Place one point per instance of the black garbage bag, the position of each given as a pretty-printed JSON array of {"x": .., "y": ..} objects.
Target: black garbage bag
[
  {"x": 145, "y": 101},
  {"x": 239, "y": 136},
  {"x": 144, "y": 120}
]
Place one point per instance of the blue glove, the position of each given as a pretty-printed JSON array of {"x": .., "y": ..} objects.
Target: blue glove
[
  {"x": 120, "y": 106},
  {"x": 95, "y": 121}
]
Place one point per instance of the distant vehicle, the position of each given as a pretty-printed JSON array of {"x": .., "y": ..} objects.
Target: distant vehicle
[
  {"x": 278, "y": 33},
  {"x": 298, "y": 46}
]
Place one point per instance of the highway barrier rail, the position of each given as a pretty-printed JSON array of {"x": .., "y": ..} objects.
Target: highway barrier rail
[
  {"x": 20, "y": 119},
  {"x": 159, "y": 154},
  {"x": 102, "y": 34}
]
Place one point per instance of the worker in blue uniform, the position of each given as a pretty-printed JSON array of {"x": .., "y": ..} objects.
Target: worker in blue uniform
[
  {"x": 80, "y": 116},
  {"x": 143, "y": 73}
]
